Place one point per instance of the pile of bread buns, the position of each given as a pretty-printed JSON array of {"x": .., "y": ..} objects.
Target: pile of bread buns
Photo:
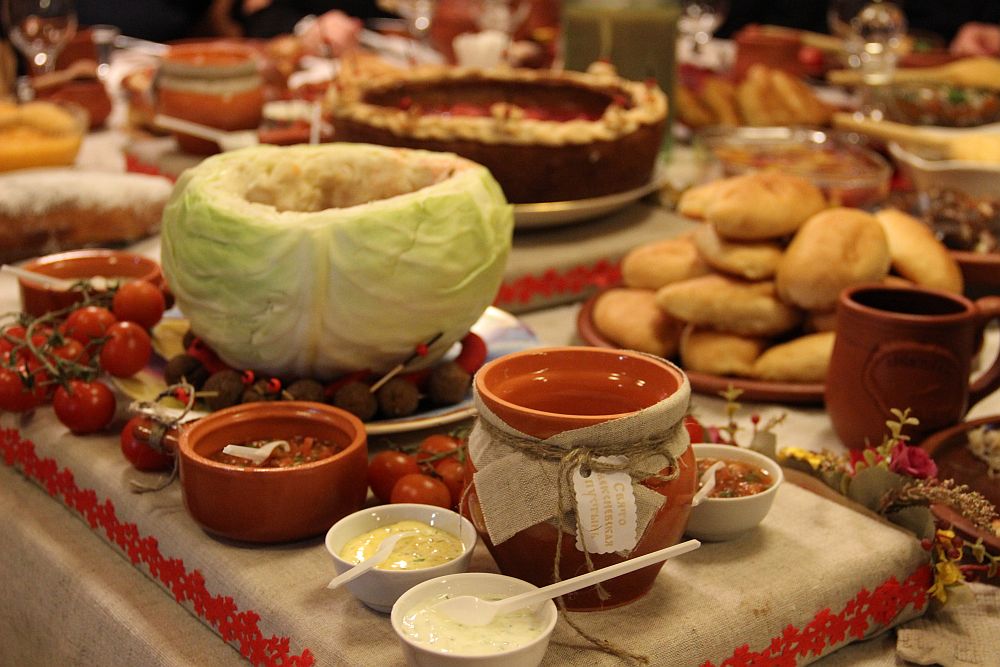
[
  {"x": 766, "y": 96},
  {"x": 752, "y": 290}
]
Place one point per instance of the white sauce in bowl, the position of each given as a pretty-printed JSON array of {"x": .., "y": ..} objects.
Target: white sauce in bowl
[{"x": 425, "y": 625}]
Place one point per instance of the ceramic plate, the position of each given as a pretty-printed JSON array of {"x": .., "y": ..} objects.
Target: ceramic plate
[
  {"x": 956, "y": 461},
  {"x": 552, "y": 214},
  {"x": 793, "y": 393},
  {"x": 502, "y": 332}
]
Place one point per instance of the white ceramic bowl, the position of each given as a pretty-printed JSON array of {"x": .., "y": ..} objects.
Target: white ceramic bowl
[
  {"x": 978, "y": 179},
  {"x": 379, "y": 589},
  {"x": 480, "y": 584},
  {"x": 720, "y": 519}
]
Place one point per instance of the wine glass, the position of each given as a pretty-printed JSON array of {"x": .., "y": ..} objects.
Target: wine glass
[
  {"x": 699, "y": 19},
  {"x": 39, "y": 29}
]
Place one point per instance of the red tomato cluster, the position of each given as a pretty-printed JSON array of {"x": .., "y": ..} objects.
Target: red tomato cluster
[
  {"x": 432, "y": 475},
  {"x": 68, "y": 350}
]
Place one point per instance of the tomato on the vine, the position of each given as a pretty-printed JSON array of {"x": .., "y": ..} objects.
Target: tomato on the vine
[
  {"x": 386, "y": 468},
  {"x": 438, "y": 446},
  {"x": 452, "y": 473},
  {"x": 72, "y": 350},
  {"x": 142, "y": 455},
  {"x": 84, "y": 407},
  {"x": 139, "y": 301},
  {"x": 14, "y": 395},
  {"x": 127, "y": 349},
  {"x": 421, "y": 488},
  {"x": 85, "y": 324}
]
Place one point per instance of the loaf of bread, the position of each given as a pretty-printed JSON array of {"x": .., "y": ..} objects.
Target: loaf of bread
[
  {"x": 917, "y": 254},
  {"x": 718, "y": 353},
  {"x": 802, "y": 359},
  {"x": 743, "y": 259},
  {"x": 763, "y": 205},
  {"x": 46, "y": 210},
  {"x": 631, "y": 319},
  {"x": 834, "y": 249},
  {"x": 653, "y": 265},
  {"x": 728, "y": 304}
]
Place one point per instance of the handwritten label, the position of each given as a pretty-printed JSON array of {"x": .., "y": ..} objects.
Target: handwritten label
[{"x": 605, "y": 506}]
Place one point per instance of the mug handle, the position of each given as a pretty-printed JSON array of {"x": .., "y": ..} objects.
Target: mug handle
[{"x": 988, "y": 382}]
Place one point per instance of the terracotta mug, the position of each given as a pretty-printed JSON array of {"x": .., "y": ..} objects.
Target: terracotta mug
[{"x": 905, "y": 347}]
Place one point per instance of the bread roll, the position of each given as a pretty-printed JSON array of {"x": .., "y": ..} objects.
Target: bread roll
[
  {"x": 803, "y": 359},
  {"x": 728, "y": 304},
  {"x": 834, "y": 249},
  {"x": 753, "y": 261},
  {"x": 763, "y": 205},
  {"x": 631, "y": 319},
  {"x": 718, "y": 353},
  {"x": 653, "y": 265},
  {"x": 694, "y": 201},
  {"x": 917, "y": 254}
]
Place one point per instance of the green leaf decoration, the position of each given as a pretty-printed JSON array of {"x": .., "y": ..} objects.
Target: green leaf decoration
[
  {"x": 917, "y": 519},
  {"x": 871, "y": 484},
  {"x": 870, "y": 458}
]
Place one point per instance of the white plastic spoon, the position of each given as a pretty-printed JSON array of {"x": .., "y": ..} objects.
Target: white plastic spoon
[
  {"x": 228, "y": 141},
  {"x": 474, "y": 611},
  {"x": 707, "y": 483},
  {"x": 256, "y": 454},
  {"x": 380, "y": 555},
  {"x": 61, "y": 284}
]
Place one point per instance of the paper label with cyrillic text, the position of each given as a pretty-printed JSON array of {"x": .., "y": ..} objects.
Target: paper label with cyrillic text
[{"x": 606, "y": 510}]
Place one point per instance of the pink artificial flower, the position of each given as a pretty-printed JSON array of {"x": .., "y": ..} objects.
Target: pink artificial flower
[{"x": 912, "y": 461}]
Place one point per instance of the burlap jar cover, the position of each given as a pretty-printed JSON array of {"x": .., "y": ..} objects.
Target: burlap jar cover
[{"x": 522, "y": 481}]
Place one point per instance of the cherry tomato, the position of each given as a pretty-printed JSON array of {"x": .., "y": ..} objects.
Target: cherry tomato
[
  {"x": 14, "y": 395},
  {"x": 72, "y": 350},
  {"x": 452, "y": 473},
  {"x": 139, "y": 301},
  {"x": 84, "y": 407},
  {"x": 386, "y": 468},
  {"x": 421, "y": 488},
  {"x": 141, "y": 454},
  {"x": 438, "y": 446},
  {"x": 694, "y": 429},
  {"x": 87, "y": 323},
  {"x": 127, "y": 349}
]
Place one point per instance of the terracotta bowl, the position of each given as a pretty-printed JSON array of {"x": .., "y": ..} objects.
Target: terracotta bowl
[
  {"x": 720, "y": 519},
  {"x": 949, "y": 449},
  {"x": 271, "y": 505},
  {"x": 37, "y": 299}
]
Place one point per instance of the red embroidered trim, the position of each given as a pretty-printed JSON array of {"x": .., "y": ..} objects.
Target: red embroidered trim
[
  {"x": 554, "y": 283},
  {"x": 236, "y": 627},
  {"x": 136, "y": 166},
  {"x": 865, "y": 612}
]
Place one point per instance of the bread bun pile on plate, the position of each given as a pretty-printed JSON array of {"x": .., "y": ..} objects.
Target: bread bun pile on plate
[{"x": 752, "y": 291}]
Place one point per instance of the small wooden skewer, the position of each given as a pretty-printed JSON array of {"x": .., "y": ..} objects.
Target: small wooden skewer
[{"x": 399, "y": 367}]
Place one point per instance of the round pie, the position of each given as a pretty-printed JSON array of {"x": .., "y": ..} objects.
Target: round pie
[{"x": 545, "y": 136}]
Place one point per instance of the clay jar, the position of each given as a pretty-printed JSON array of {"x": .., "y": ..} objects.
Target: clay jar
[
  {"x": 905, "y": 347},
  {"x": 215, "y": 84},
  {"x": 542, "y": 393}
]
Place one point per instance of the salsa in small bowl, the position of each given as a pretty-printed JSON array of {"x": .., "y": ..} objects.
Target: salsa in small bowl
[{"x": 745, "y": 488}]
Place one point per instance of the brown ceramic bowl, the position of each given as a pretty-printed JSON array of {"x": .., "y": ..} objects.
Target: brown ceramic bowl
[
  {"x": 271, "y": 505},
  {"x": 37, "y": 299},
  {"x": 949, "y": 449}
]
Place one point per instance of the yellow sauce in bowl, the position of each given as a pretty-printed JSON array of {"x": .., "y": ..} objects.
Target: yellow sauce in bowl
[{"x": 431, "y": 547}]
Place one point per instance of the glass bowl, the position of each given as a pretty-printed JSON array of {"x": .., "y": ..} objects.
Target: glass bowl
[
  {"x": 940, "y": 104},
  {"x": 847, "y": 172},
  {"x": 40, "y": 134}
]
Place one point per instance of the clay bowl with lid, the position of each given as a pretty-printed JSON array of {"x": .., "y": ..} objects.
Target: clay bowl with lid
[
  {"x": 272, "y": 504},
  {"x": 38, "y": 299}
]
